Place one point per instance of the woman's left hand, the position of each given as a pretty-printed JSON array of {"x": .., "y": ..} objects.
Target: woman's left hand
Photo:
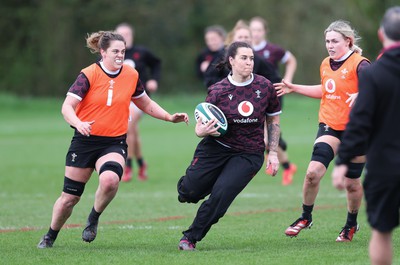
[
  {"x": 272, "y": 163},
  {"x": 352, "y": 99},
  {"x": 209, "y": 128}
]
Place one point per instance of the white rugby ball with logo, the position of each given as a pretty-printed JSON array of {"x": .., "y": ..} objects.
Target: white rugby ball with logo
[{"x": 207, "y": 111}]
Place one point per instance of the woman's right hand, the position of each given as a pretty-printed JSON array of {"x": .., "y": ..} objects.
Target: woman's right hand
[
  {"x": 202, "y": 130},
  {"x": 283, "y": 88}
]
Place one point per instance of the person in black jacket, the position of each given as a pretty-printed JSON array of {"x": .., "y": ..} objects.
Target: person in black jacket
[
  {"x": 374, "y": 127},
  {"x": 149, "y": 68},
  {"x": 214, "y": 38}
]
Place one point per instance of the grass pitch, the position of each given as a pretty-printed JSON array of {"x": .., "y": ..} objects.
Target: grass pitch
[{"x": 143, "y": 224}]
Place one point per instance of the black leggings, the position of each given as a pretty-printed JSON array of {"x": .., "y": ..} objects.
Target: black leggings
[{"x": 221, "y": 173}]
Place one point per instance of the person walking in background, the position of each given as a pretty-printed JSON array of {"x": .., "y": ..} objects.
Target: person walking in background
[
  {"x": 275, "y": 55},
  {"x": 149, "y": 67},
  {"x": 223, "y": 166},
  {"x": 214, "y": 37},
  {"x": 338, "y": 91},
  {"x": 97, "y": 108},
  {"x": 374, "y": 128}
]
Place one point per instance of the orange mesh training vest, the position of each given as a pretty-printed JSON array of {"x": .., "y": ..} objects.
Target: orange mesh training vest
[
  {"x": 334, "y": 111},
  {"x": 107, "y": 101}
]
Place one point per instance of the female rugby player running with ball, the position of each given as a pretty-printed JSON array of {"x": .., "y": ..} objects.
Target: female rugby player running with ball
[{"x": 223, "y": 166}]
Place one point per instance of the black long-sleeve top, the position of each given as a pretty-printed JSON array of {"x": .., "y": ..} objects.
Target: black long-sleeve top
[
  {"x": 374, "y": 126},
  {"x": 145, "y": 62}
]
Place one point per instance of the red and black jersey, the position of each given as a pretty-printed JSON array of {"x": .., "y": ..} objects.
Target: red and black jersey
[
  {"x": 273, "y": 53},
  {"x": 245, "y": 106}
]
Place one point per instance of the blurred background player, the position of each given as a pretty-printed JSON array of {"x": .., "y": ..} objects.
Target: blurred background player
[
  {"x": 149, "y": 67},
  {"x": 214, "y": 38},
  {"x": 240, "y": 32},
  {"x": 275, "y": 55}
]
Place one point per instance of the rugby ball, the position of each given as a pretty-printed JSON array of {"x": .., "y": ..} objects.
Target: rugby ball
[{"x": 207, "y": 111}]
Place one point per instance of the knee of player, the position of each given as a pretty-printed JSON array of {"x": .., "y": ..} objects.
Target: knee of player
[
  {"x": 68, "y": 200},
  {"x": 189, "y": 196},
  {"x": 108, "y": 182},
  {"x": 72, "y": 191},
  {"x": 313, "y": 176},
  {"x": 353, "y": 185},
  {"x": 323, "y": 153},
  {"x": 109, "y": 170},
  {"x": 355, "y": 170}
]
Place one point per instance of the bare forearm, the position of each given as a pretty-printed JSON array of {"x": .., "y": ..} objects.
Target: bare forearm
[
  {"x": 153, "y": 109},
  {"x": 70, "y": 116},
  {"x": 68, "y": 111},
  {"x": 274, "y": 131},
  {"x": 156, "y": 111},
  {"x": 312, "y": 91}
]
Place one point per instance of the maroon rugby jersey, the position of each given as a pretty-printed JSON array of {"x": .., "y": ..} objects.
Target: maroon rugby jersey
[
  {"x": 245, "y": 106},
  {"x": 270, "y": 52}
]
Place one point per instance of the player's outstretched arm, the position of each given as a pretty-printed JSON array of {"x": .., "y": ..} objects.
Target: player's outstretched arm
[
  {"x": 285, "y": 87},
  {"x": 151, "y": 107}
]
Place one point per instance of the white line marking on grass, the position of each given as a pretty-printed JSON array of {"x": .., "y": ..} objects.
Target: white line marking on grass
[
  {"x": 148, "y": 227},
  {"x": 134, "y": 227},
  {"x": 284, "y": 195}
]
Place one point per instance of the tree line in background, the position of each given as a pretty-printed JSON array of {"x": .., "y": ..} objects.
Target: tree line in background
[{"x": 43, "y": 41}]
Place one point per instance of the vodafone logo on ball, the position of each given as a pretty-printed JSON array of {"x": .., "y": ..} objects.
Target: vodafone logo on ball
[{"x": 245, "y": 108}]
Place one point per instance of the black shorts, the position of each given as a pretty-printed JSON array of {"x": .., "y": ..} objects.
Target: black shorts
[
  {"x": 85, "y": 151},
  {"x": 326, "y": 130},
  {"x": 383, "y": 201}
]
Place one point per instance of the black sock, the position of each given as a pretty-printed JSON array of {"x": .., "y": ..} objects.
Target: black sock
[
  {"x": 307, "y": 209},
  {"x": 52, "y": 233},
  {"x": 286, "y": 165},
  {"x": 128, "y": 162},
  {"x": 140, "y": 161},
  {"x": 351, "y": 219},
  {"x": 93, "y": 216}
]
